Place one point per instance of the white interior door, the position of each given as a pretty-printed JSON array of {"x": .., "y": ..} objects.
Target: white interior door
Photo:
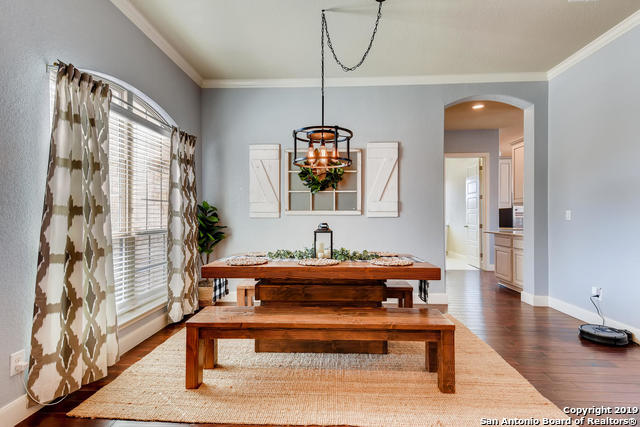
[{"x": 472, "y": 214}]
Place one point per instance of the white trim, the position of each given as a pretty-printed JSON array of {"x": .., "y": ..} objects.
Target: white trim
[
  {"x": 618, "y": 30},
  {"x": 14, "y": 412},
  {"x": 374, "y": 81},
  {"x": 132, "y": 316},
  {"x": 534, "y": 300},
  {"x": 131, "y": 339},
  {"x": 139, "y": 20},
  {"x": 490, "y": 267},
  {"x": 590, "y": 316}
]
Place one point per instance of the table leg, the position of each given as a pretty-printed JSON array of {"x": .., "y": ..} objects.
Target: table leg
[
  {"x": 195, "y": 358},
  {"x": 431, "y": 356},
  {"x": 211, "y": 353},
  {"x": 446, "y": 362}
]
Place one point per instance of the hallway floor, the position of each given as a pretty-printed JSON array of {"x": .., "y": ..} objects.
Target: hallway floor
[{"x": 541, "y": 343}]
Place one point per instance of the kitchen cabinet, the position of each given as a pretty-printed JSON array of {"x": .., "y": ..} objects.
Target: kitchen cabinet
[
  {"x": 518, "y": 262},
  {"x": 504, "y": 265},
  {"x": 509, "y": 258},
  {"x": 505, "y": 180},
  {"x": 517, "y": 165}
]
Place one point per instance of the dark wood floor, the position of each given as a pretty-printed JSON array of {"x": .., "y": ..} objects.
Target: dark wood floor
[{"x": 541, "y": 343}]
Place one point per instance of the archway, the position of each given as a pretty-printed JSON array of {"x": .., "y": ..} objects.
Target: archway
[{"x": 529, "y": 293}]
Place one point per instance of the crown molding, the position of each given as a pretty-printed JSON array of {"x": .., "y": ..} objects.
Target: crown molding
[
  {"x": 375, "y": 81},
  {"x": 618, "y": 30},
  {"x": 134, "y": 15}
]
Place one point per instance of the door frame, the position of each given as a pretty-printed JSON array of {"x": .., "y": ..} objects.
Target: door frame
[{"x": 485, "y": 191}]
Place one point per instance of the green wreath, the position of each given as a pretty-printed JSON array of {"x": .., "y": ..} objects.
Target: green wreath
[{"x": 312, "y": 181}]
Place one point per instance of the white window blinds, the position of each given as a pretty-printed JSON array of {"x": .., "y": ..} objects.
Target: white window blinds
[{"x": 139, "y": 155}]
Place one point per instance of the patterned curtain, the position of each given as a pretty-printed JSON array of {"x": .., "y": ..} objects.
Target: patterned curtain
[
  {"x": 73, "y": 337},
  {"x": 182, "y": 248}
]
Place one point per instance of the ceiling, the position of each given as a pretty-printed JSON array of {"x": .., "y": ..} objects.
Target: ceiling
[
  {"x": 280, "y": 39},
  {"x": 495, "y": 115}
]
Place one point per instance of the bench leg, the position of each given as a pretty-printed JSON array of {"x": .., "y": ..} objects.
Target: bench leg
[
  {"x": 195, "y": 358},
  {"x": 431, "y": 356},
  {"x": 240, "y": 298},
  {"x": 408, "y": 300},
  {"x": 211, "y": 354},
  {"x": 446, "y": 362}
]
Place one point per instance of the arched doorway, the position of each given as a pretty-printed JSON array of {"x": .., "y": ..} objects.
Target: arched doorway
[{"x": 529, "y": 261}]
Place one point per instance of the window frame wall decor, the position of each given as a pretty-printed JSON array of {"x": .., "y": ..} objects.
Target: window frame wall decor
[
  {"x": 133, "y": 119},
  {"x": 291, "y": 178}
]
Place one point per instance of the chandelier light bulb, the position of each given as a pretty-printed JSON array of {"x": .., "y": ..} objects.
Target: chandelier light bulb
[{"x": 323, "y": 152}]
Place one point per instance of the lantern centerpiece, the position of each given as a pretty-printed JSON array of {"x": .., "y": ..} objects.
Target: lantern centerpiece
[{"x": 323, "y": 241}]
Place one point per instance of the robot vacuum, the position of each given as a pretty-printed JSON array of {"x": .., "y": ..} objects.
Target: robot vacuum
[{"x": 605, "y": 334}]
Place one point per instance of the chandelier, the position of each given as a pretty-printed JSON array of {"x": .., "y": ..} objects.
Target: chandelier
[{"x": 323, "y": 141}]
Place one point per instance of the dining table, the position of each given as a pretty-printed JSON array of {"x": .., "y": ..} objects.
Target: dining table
[{"x": 286, "y": 283}]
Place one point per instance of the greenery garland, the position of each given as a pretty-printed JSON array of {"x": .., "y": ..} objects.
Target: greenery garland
[
  {"x": 341, "y": 254},
  {"x": 312, "y": 181}
]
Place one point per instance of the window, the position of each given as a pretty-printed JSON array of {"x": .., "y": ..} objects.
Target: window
[
  {"x": 345, "y": 200},
  {"x": 139, "y": 156}
]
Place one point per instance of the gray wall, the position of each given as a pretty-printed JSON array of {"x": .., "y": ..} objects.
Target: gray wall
[
  {"x": 232, "y": 119},
  {"x": 480, "y": 141},
  {"x": 92, "y": 35},
  {"x": 594, "y": 150}
]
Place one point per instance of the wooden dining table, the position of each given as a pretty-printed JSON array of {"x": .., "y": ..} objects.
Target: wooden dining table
[{"x": 285, "y": 283}]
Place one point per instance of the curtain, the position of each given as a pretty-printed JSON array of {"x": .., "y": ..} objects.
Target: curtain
[
  {"x": 182, "y": 251},
  {"x": 74, "y": 332}
]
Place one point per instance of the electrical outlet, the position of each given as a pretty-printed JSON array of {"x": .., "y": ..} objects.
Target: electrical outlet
[
  {"x": 596, "y": 292},
  {"x": 17, "y": 364},
  {"x": 567, "y": 215}
]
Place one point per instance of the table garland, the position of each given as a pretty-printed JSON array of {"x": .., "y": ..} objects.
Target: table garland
[{"x": 341, "y": 254}]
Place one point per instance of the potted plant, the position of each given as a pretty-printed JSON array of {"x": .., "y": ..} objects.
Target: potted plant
[{"x": 209, "y": 235}]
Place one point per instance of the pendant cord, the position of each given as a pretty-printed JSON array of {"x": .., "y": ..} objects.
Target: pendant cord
[{"x": 322, "y": 29}]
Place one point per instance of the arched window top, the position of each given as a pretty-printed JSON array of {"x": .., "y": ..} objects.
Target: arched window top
[{"x": 134, "y": 100}]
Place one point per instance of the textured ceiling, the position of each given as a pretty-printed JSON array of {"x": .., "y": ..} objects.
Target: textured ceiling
[{"x": 251, "y": 39}]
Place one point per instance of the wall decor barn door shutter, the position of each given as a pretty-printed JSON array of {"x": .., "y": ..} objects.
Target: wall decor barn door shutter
[
  {"x": 264, "y": 184},
  {"x": 382, "y": 179}
]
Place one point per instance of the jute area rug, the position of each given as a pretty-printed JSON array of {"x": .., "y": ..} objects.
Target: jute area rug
[{"x": 304, "y": 388}]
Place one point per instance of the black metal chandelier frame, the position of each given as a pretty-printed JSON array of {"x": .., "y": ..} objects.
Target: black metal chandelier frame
[{"x": 324, "y": 157}]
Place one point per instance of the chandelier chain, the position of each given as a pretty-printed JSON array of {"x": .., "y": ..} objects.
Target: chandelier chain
[{"x": 325, "y": 30}]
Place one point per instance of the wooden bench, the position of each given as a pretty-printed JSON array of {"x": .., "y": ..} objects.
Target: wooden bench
[
  {"x": 401, "y": 290},
  {"x": 320, "y": 323}
]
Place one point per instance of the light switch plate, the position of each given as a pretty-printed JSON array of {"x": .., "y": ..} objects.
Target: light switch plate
[{"x": 567, "y": 215}]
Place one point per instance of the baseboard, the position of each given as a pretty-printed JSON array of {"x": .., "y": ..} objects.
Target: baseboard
[
  {"x": 490, "y": 267},
  {"x": 16, "y": 411},
  {"x": 136, "y": 333},
  {"x": 434, "y": 298},
  {"x": 534, "y": 300},
  {"x": 591, "y": 317}
]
